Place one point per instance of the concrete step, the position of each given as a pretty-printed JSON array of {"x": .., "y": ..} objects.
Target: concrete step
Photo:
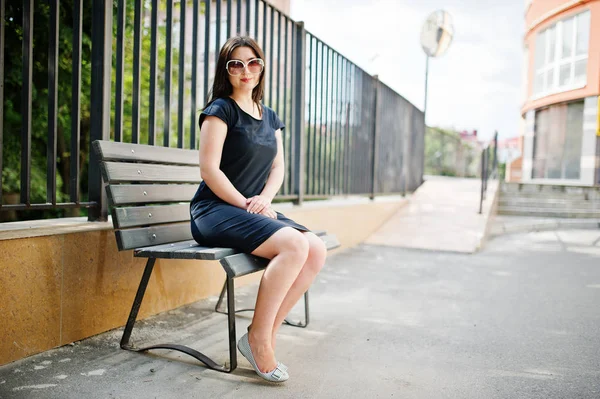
[
  {"x": 549, "y": 203},
  {"x": 557, "y": 195},
  {"x": 553, "y": 213}
]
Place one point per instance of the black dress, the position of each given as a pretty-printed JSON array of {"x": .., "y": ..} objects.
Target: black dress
[{"x": 248, "y": 153}]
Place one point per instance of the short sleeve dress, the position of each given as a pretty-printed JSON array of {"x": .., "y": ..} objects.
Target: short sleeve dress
[{"x": 248, "y": 153}]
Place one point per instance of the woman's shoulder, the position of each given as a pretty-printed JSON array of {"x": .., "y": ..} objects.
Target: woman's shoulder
[{"x": 221, "y": 102}]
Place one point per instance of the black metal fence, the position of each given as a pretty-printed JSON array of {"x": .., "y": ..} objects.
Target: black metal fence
[
  {"x": 489, "y": 167},
  {"x": 140, "y": 71}
]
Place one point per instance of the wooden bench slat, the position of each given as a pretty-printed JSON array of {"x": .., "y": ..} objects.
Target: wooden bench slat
[
  {"x": 154, "y": 235},
  {"x": 114, "y": 151},
  {"x": 123, "y": 172},
  {"x": 241, "y": 264},
  {"x": 331, "y": 241},
  {"x": 184, "y": 250},
  {"x": 148, "y": 215},
  {"x": 124, "y": 194}
]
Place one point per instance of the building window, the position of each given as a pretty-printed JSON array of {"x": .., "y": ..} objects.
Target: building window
[
  {"x": 557, "y": 142},
  {"x": 561, "y": 54}
]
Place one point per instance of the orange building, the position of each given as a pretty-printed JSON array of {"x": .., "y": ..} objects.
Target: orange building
[{"x": 561, "y": 126}]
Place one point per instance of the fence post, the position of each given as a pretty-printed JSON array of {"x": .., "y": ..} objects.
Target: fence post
[
  {"x": 482, "y": 180},
  {"x": 375, "y": 151},
  {"x": 298, "y": 150},
  {"x": 100, "y": 101}
]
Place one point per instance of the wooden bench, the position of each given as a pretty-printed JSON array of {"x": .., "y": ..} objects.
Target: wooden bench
[{"x": 149, "y": 189}]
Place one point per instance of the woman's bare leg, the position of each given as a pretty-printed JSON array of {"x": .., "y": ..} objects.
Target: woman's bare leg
[
  {"x": 288, "y": 251},
  {"x": 314, "y": 263}
]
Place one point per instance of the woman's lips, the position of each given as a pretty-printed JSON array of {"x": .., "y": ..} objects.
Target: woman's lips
[{"x": 246, "y": 80}]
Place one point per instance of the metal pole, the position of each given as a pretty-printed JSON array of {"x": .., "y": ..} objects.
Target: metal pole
[
  {"x": 299, "y": 83},
  {"x": 426, "y": 81}
]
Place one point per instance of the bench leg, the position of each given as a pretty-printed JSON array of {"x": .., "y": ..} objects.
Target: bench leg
[
  {"x": 139, "y": 296},
  {"x": 289, "y": 323}
]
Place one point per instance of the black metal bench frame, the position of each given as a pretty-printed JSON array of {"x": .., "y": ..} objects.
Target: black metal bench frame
[{"x": 138, "y": 177}]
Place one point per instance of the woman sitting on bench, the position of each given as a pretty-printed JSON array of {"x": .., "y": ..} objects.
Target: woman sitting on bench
[{"x": 242, "y": 167}]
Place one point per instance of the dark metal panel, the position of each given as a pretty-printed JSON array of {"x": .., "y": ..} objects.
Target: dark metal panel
[
  {"x": 111, "y": 151},
  {"x": 75, "y": 100},
  {"x": 181, "y": 74},
  {"x": 119, "y": 172},
  {"x": 264, "y": 25},
  {"x": 168, "y": 75},
  {"x": 149, "y": 215},
  {"x": 153, "y": 74},
  {"x": 124, "y": 194},
  {"x": 374, "y": 148},
  {"x": 279, "y": 62},
  {"x": 248, "y": 4},
  {"x": 285, "y": 189},
  {"x": 52, "y": 102},
  {"x": 309, "y": 114},
  {"x": 137, "y": 56},
  {"x": 256, "y": 7}
]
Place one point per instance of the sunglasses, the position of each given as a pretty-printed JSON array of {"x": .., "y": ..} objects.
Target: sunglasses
[{"x": 236, "y": 67}]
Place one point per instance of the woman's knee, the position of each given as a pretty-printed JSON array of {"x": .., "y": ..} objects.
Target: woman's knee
[
  {"x": 317, "y": 253},
  {"x": 295, "y": 245}
]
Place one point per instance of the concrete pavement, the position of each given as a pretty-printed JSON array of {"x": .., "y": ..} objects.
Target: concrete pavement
[
  {"x": 442, "y": 215},
  {"x": 518, "y": 319}
]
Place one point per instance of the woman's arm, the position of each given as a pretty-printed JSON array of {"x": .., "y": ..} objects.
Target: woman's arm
[
  {"x": 212, "y": 137},
  {"x": 274, "y": 181}
]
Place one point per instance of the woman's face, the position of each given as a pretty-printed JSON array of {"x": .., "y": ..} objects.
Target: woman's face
[{"x": 244, "y": 76}]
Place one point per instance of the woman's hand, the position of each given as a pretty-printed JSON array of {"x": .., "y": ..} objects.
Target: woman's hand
[
  {"x": 269, "y": 212},
  {"x": 257, "y": 203}
]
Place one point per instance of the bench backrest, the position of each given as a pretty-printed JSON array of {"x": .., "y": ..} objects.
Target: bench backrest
[{"x": 149, "y": 189}]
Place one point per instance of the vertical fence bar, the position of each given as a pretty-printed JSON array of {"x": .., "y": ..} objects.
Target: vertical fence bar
[
  {"x": 52, "y": 102},
  {"x": 338, "y": 126},
  {"x": 75, "y": 100},
  {"x": 119, "y": 74},
  {"x": 153, "y": 74},
  {"x": 181, "y": 75},
  {"x": 323, "y": 171},
  {"x": 217, "y": 31},
  {"x": 256, "y": 4},
  {"x": 26, "y": 100},
  {"x": 319, "y": 131},
  {"x": 285, "y": 97},
  {"x": 264, "y": 25},
  {"x": 206, "y": 46},
  {"x": 308, "y": 138},
  {"x": 278, "y": 85},
  {"x": 248, "y": 4},
  {"x": 238, "y": 25},
  {"x": 299, "y": 82},
  {"x": 100, "y": 101},
  {"x": 2, "y": 18},
  {"x": 331, "y": 129},
  {"x": 168, "y": 75},
  {"x": 228, "y": 22},
  {"x": 195, "y": 11},
  {"x": 137, "y": 71},
  {"x": 375, "y": 149},
  {"x": 317, "y": 106},
  {"x": 271, "y": 63}
]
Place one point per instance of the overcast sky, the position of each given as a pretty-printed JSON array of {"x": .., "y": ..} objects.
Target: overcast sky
[{"x": 477, "y": 84}]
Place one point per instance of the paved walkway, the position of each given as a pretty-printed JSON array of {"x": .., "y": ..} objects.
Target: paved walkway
[
  {"x": 518, "y": 319},
  {"x": 442, "y": 215}
]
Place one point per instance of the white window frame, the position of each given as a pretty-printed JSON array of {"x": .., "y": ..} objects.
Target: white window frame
[{"x": 554, "y": 65}]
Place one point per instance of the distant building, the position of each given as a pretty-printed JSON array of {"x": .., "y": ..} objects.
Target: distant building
[{"x": 560, "y": 125}]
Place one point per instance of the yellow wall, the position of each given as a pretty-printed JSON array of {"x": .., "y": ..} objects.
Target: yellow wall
[{"x": 59, "y": 289}]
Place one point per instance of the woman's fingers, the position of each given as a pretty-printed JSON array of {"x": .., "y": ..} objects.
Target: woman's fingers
[{"x": 257, "y": 204}]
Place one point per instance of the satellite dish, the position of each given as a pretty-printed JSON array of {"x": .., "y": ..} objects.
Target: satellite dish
[{"x": 437, "y": 33}]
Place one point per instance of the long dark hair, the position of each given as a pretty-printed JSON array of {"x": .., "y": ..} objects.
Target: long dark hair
[{"x": 221, "y": 85}]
